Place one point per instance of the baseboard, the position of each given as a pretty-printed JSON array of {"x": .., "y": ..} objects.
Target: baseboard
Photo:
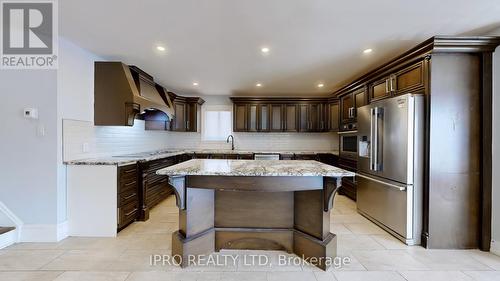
[
  {"x": 495, "y": 247},
  {"x": 8, "y": 238},
  {"x": 44, "y": 232}
]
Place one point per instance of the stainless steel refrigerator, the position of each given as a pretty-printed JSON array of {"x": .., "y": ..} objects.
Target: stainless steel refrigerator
[{"x": 390, "y": 165}]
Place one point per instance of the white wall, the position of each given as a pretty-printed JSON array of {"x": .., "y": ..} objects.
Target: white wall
[
  {"x": 28, "y": 168},
  {"x": 495, "y": 220}
]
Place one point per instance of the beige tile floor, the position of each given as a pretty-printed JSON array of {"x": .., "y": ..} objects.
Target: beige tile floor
[{"x": 374, "y": 255}]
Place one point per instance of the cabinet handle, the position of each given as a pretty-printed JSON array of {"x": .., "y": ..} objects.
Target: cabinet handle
[
  {"x": 393, "y": 77},
  {"x": 129, "y": 171},
  {"x": 386, "y": 86},
  {"x": 131, "y": 212},
  {"x": 130, "y": 196},
  {"x": 130, "y": 183}
]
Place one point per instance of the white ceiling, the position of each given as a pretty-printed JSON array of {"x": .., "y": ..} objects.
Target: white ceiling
[{"x": 217, "y": 43}]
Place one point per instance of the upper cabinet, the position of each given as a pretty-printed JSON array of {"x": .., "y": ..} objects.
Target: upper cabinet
[
  {"x": 349, "y": 104},
  {"x": 332, "y": 115},
  {"x": 280, "y": 114},
  {"x": 186, "y": 113}
]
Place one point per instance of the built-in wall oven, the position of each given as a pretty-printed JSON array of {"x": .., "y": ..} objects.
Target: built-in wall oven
[{"x": 349, "y": 144}]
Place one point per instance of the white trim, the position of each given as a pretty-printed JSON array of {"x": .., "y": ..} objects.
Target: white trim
[
  {"x": 62, "y": 230},
  {"x": 8, "y": 238},
  {"x": 495, "y": 247},
  {"x": 18, "y": 223},
  {"x": 44, "y": 232}
]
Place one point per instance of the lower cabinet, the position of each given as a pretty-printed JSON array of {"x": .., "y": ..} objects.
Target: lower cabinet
[
  {"x": 349, "y": 185},
  {"x": 153, "y": 188},
  {"x": 128, "y": 197}
]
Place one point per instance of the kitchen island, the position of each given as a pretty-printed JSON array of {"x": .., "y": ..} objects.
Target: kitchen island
[{"x": 257, "y": 205}]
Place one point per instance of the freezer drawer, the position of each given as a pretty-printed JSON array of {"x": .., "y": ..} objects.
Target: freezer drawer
[{"x": 388, "y": 205}]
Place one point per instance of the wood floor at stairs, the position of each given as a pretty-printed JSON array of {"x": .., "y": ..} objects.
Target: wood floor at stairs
[{"x": 6, "y": 229}]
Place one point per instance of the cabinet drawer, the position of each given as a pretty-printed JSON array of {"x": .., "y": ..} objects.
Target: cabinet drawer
[
  {"x": 127, "y": 185},
  {"x": 127, "y": 197},
  {"x": 128, "y": 172},
  {"x": 127, "y": 214}
]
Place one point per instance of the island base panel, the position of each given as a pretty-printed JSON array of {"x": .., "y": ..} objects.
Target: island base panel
[
  {"x": 254, "y": 239},
  {"x": 183, "y": 249},
  {"x": 291, "y": 221},
  {"x": 320, "y": 253}
]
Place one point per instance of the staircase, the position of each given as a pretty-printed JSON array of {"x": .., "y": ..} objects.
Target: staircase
[{"x": 7, "y": 236}]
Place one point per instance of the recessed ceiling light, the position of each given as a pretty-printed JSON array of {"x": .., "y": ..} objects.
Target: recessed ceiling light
[
  {"x": 321, "y": 85},
  {"x": 195, "y": 83},
  {"x": 258, "y": 85},
  {"x": 265, "y": 50},
  {"x": 160, "y": 48},
  {"x": 367, "y": 51}
]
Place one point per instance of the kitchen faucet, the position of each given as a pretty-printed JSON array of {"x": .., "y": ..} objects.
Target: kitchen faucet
[{"x": 232, "y": 141}]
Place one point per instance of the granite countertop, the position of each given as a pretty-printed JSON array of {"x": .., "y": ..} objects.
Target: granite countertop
[
  {"x": 223, "y": 167},
  {"x": 126, "y": 159}
]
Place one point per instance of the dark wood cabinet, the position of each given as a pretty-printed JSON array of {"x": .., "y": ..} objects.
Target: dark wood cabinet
[
  {"x": 277, "y": 118},
  {"x": 127, "y": 195},
  {"x": 186, "y": 111},
  {"x": 153, "y": 188},
  {"x": 263, "y": 120},
  {"x": 280, "y": 114},
  {"x": 291, "y": 124},
  {"x": 348, "y": 187},
  {"x": 240, "y": 122},
  {"x": 410, "y": 79},
  {"x": 333, "y": 115},
  {"x": 349, "y": 103},
  {"x": 252, "y": 118},
  {"x": 179, "y": 121}
]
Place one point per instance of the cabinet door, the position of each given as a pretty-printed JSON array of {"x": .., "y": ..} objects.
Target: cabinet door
[
  {"x": 409, "y": 79},
  {"x": 240, "y": 118},
  {"x": 315, "y": 117},
  {"x": 304, "y": 124},
  {"x": 192, "y": 117},
  {"x": 380, "y": 89},
  {"x": 346, "y": 103},
  {"x": 359, "y": 100},
  {"x": 277, "y": 120},
  {"x": 263, "y": 117},
  {"x": 180, "y": 116},
  {"x": 291, "y": 118},
  {"x": 252, "y": 118},
  {"x": 333, "y": 114}
]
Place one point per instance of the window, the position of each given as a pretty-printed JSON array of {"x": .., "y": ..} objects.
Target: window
[{"x": 217, "y": 123}]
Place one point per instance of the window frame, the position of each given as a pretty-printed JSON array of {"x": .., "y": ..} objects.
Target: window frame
[{"x": 205, "y": 109}]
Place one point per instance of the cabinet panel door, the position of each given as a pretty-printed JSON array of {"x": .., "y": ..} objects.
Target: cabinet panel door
[
  {"x": 346, "y": 103},
  {"x": 333, "y": 122},
  {"x": 252, "y": 118},
  {"x": 359, "y": 100},
  {"x": 409, "y": 78},
  {"x": 304, "y": 124},
  {"x": 192, "y": 117},
  {"x": 180, "y": 116},
  {"x": 263, "y": 117},
  {"x": 291, "y": 118},
  {"x": 379, "y": 89},
  {"x": 314, "y": 117},
  {"x": 240, "y": 118},
  {"x": 277, "y": 118}
]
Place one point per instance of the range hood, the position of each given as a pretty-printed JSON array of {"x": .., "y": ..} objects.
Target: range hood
[{"x": 123, "y": 93}]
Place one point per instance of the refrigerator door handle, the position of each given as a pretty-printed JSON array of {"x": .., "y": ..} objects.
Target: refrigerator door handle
[
  {"x": 371, "y": 139},
  {"x": 400, "y": 188},
  {"x": 375, "y": 140}
]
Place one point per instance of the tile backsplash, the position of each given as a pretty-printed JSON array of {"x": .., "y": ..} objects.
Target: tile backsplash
[{"x": 81, "y": 139}]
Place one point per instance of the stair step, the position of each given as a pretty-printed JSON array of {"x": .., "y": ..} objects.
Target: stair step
[{"x": 6, "y": 229}]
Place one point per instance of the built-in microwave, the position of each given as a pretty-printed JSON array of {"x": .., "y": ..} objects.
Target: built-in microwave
[{"x": 348, "y": 144}]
